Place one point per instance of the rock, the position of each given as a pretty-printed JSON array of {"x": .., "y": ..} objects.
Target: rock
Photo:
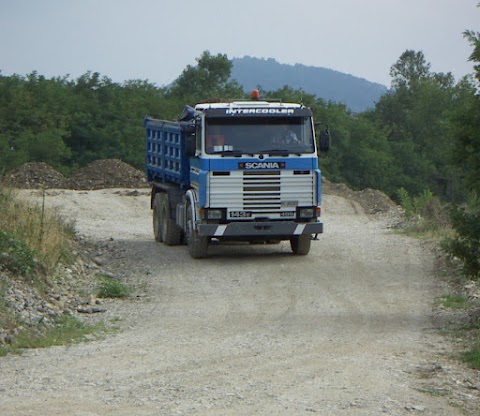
[{"x": 99, "y": 261}]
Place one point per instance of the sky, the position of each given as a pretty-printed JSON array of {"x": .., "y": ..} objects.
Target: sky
[{"x": 155, "y": 40}]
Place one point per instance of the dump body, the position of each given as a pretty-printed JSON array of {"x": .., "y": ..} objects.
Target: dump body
[{"x": 166, "y": 153}]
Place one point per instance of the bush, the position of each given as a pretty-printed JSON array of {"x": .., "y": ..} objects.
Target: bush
[
  {"x": 15, "y": 255},
  {"x": 466, "y": 244},
  {"x": 423, "y": 212},
  {"x": 112, "y": 288}
]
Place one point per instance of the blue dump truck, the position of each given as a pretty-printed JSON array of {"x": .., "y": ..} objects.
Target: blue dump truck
[{"x": 235, "y": 171}]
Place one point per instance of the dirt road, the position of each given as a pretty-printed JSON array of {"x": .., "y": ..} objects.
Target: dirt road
[{"x": 252, "y": 330}]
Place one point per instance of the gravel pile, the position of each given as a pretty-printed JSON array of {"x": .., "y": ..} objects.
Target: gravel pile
[
  {"x": 36, "y": 175},
  {"x": 371, "y": 200},
  {"x": 107, "y": 173},
  {"x": 100, "y": 174}
]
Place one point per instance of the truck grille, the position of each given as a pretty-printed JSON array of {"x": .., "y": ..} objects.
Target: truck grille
[{"x": 261, "y": 191}]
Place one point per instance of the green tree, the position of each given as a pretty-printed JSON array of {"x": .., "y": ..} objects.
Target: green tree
[
  {"x": 209, "y": 79},
  {"x": 466, "y": 154},
  {"x": 410, "y": 69},
  {"x": 415, "y": 119}
]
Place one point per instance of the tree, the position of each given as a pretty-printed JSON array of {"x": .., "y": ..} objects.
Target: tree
[
  {"x": 466, "y": 154},
  {"x": 410, "y": 68},
  {"x": 209, "y": 79},
  {"x": 415, "y": 118}
]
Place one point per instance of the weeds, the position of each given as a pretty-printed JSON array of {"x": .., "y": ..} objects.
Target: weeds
[
  {"x": 425, "y": 214},
  {"x": 30, "y": 236},
  {"x": 66, "y": 330},
  {"x": 454, "y": 301},
  {"x": 473, "y": 356},
  {"x": 15, "y": 255},
  {"x": 112, "y": 288}
]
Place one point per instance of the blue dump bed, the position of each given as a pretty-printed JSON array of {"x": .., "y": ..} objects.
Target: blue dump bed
[{"x": 166, "y": 160}]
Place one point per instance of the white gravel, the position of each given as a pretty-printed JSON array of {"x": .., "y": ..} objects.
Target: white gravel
[{"x": 252, "y": 330}]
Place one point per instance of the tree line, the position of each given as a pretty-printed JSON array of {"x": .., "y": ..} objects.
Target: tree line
[{"x": 424, "y": 134}]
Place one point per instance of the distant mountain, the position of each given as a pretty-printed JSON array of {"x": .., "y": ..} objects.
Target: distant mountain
[{"x": 357, "y": 94}]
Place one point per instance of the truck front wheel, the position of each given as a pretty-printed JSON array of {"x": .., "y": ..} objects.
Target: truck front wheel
[
  {"x": 197, "y": 245},
  {"x": 300, "y": 244}
]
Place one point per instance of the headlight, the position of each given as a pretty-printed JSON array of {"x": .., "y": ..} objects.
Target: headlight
[
  {"x": 308, "y": 212},
  {"x": 212, "y": 214}
]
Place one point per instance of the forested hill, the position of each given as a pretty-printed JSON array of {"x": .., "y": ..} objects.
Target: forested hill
[{"x": 357, "y": 94}]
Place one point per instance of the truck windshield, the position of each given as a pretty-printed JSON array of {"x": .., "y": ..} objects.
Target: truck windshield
[{"x": 253, "y": 135}]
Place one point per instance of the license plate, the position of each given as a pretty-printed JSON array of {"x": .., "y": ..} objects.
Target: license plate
[{"x": 239, "y": 214}]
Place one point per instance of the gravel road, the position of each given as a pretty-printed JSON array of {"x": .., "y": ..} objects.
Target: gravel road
[{"x": 252, "y": 330}]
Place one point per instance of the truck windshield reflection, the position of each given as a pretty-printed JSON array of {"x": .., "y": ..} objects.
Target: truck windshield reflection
[{"x": 237, "y": 136}]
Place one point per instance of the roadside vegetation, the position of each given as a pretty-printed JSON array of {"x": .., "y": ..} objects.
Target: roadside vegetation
[
  {"x": 66, "y": 330},
  {"x": 33, "y": 241},
  {"x": 112, "y": 288}
]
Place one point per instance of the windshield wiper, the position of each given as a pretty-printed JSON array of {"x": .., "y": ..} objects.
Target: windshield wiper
[
  {"x": 236, "y": 153},
  {"x": 276, "y": 151}
]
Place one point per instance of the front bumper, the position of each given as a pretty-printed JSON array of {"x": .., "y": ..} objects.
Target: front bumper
[{"x": 270, "y": 229}]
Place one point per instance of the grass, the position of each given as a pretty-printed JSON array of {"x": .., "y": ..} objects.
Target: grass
[
  {"x": 472, "y": 357},
  {"x": 66, "y": 330},
  {"x": 454, "y": 301},
  {"x": 112, "y": 288},
  {"x": 33, "y": 240}
]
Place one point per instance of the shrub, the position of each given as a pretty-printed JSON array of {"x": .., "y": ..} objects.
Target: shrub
[
  {"x": 466, "y": 244},
  {"x": 112, "y": 288},
  {"x": 423, "y": 212},
  {"x": 15, "y": 255}
]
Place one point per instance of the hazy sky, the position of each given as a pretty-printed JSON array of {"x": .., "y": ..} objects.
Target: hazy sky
[{"x": 157, "y": 39}]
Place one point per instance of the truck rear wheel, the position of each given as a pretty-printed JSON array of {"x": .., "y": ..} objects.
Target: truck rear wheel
[
  {"x": 157, "y": 217},
  {"x": 171, "y": 233},
  {"x": 197, "y": 245},
  {"x": 300, "y": 244}
]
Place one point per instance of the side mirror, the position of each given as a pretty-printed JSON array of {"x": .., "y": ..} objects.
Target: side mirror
[{"x": 324, "y": 144}]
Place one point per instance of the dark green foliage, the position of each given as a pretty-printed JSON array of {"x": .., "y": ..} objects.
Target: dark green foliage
[
  {"x": 416, "y": 121},
  {"x": 466, "y": 155},
  {"x": 111, "y": 288},
  {"x": 68, "y": 124},
  {"x": 466, "y": 245},
  {"x": 208, "y": 80},
  {"x": 473, "y": 357},
  {"x": 15, "y": 255}
]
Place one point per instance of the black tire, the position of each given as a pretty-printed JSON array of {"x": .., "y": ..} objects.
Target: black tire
[
  {"x": 157, "y": 217},
  {"x": 171, "y": 232},
  {"x": 300, "y": 244},
  {"x": 197, "y": 245}
]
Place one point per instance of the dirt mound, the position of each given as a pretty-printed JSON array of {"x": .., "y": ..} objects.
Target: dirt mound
[
  {"x": 107, "y": 173},
  {"x": 36, "y": 175},
  {"x": 371, "y": 200},
  {"x": 100, "y": 174}
]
